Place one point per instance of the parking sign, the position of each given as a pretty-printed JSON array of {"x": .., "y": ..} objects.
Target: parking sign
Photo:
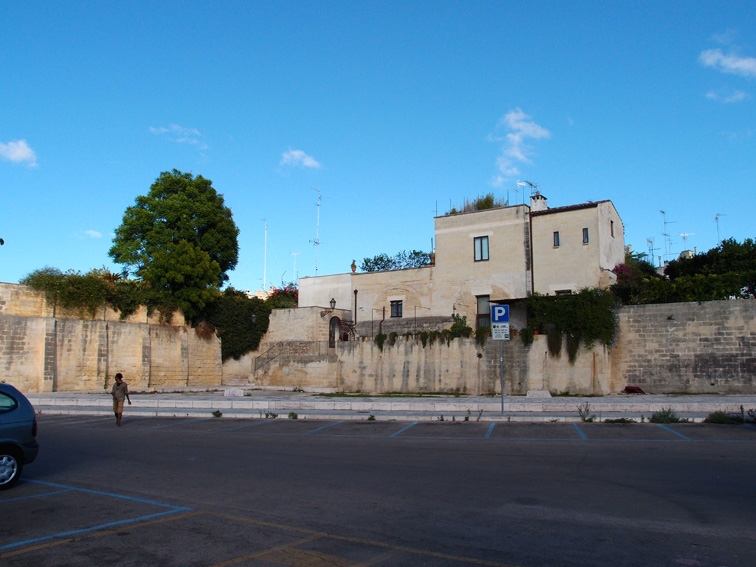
[{"x": 500, "y": 322}]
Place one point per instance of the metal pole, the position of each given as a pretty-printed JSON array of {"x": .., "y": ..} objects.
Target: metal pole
[{"x": 501, "y": 373}]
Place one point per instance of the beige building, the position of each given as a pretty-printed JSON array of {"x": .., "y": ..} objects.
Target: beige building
[{"x": 497, "y": 255}]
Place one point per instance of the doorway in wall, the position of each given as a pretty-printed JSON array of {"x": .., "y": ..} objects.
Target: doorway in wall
[{"x": 333, "y": 331}]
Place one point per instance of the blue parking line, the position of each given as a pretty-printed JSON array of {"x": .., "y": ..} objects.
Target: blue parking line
[
  {"x": 90, "y": 529},
  {"x": 403, "y": 429},
  {"x": 322, "y": 427},
  {"x": 749, "y": 426},
  {"x": 110, "y": 495},
  {"x": 64, "y": 488},
  {"x": 490, "y": 430},
  {"x": 582, "y": 434},
  {"x": 675, "y": 432},
  {"x": 3, "y": 501}
]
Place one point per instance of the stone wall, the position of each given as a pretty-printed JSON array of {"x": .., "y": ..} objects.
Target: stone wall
[
  {"x": 461, "y": 366},
  {"x": 673, "y": 348},
  {"x": 40, "y": 352},
  {"x": 688, "y": 347}
]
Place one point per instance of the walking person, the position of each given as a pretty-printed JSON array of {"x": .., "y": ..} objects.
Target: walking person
[{"x": 120, "y": 393}]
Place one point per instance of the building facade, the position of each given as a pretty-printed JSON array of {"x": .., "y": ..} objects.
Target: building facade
[{"x": 498, "y": 255}]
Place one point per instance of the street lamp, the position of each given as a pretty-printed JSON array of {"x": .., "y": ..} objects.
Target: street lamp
[
  {"x": 254, "y": 319},
  {"x": 333, "y": 304}
]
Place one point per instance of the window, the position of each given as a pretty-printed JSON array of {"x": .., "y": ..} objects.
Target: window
[
  {"x": 556, "y": 239},
  {"x": 585, "y": 236},
  {"x": 481, "y": 248},
  {"x": 7, "y": 403},
  {"x": 396, "y": 308},
  {"x": 483, "y": 312},
  {"x": 611, "y": 227},
  {"x": 563, "y": 292}
]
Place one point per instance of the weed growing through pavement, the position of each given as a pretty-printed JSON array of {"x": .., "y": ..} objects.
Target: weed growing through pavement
[
  {"x": 584, "y": 411},
  {"x": 293, "y": 415},
  {"x": 722, "y": 418},
  {"x": 217, "y": 413},
  {"x": 666, "y": 415}
]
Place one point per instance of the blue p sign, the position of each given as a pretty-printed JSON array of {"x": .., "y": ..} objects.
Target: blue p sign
[{"x": 500, "y": 314}]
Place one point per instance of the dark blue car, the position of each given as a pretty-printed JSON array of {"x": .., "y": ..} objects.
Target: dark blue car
[{"x": 18, "y": 435}]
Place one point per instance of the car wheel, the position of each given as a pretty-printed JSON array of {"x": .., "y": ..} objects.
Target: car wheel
[{"x": 10, "y": 468}]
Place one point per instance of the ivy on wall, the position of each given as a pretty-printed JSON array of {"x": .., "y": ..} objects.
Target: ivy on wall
[{"x": 586, "y": 317}]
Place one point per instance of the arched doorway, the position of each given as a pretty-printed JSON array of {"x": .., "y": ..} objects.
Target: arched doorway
[{"x": 333, "y": 331}]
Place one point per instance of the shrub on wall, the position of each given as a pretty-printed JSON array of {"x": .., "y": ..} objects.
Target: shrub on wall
[
  {"x": 585, "y": 317},
  {"x": 231, "y": 315},
  {"x": 86, "y": 293}
]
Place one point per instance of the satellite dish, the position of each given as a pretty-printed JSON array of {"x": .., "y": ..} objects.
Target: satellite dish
[{"x": 2, "y": 241}]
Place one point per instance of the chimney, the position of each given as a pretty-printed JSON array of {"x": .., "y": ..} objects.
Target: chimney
[{"x": 538, "y": 202}]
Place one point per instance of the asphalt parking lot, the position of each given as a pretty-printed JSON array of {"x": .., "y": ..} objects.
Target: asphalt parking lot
[{"x": 207, "y": 491}]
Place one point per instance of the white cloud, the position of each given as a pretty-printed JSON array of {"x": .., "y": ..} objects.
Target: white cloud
[
  {"x": 518, "y": 130},
  {"x": 726, "y": 38},
  {"x": 297, "y": 158},
  {"x": 180, "y": 135},
  {"x": 18, "y": 151},
  {"x": 726, "y": 96},
  {"x": 93, "y": 234},
  {"x": 728, "y": 63}
]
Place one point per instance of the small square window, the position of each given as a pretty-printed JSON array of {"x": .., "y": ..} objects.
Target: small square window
[
  {"x": 481, "y": 248},
  {"x": 585, "y": 236},
  {"x": 396, "y": 308},
  {"x": 556, "y": 239}
]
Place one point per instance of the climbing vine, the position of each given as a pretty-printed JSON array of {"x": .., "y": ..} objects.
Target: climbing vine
[{"x": 584, "y": 317}]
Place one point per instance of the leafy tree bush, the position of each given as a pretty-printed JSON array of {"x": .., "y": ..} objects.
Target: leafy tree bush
[
  {"x": 181, "y": 240},
  {"x": 725, "y": 272},
  {"x": 459, "y": 327},
  {"x": 400, "y": 261},
  {"x": 231, "y": 317},
  {"x": 585, "y": 317},
  {"x": 286, "y": 297},
  {"x": 480, "y": 203}
]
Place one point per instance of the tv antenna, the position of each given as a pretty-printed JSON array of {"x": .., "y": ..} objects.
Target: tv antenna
[
  {"x": 684, "y": 236},
  {"x": 316, "y": 242},
  {"x": 296, "y": 275},
  {"x": 651, "y": 249},
  {"x": 716, "y": 220},
  {"x": 265, "y": 257},
  {"x": 533, "y": 188},
  {"x": 667, "y": 239}
]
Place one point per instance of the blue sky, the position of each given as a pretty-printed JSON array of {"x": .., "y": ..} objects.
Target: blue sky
[{"x": 393, "y": 111}]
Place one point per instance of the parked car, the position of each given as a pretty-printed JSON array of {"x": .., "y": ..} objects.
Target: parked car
[{"x": 18, "y": 435}]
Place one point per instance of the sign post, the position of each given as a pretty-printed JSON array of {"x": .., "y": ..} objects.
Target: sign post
[{"x": 500, "y": 332}]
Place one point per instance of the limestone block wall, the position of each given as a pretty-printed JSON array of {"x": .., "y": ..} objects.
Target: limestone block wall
[
  {"x": 25, "y": 302},
  {"x": 461, "y": 366},
  {"x": 688, "y": 347},
  {"x": 42, "y": 353}
]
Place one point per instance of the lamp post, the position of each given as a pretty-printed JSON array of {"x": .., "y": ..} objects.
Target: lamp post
[{"x": 333, "y": 304}]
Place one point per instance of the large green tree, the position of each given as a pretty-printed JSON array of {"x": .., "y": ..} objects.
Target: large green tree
[{"x": 180, "y": 239}]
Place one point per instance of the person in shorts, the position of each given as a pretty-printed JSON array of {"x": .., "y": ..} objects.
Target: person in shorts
[{"x": 120, "y": 394}]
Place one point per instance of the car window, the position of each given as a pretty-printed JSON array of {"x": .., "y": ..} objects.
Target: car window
[{"x": 7, "y": 403}]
